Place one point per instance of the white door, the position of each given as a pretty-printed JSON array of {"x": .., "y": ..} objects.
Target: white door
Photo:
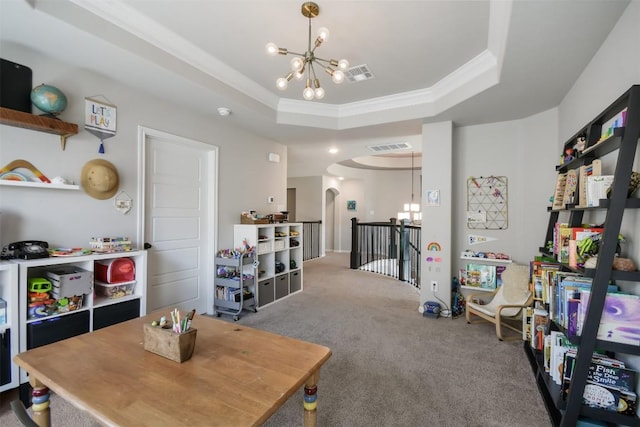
[{"x": 179, "y": 183}]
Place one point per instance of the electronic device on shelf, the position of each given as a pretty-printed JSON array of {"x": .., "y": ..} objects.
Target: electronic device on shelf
[{"x": 27, "y": 249}]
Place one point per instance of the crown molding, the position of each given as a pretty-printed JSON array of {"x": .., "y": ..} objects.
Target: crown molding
[
  {"x": 130, "y": 20},
  {"x": 468, "y": 80}
]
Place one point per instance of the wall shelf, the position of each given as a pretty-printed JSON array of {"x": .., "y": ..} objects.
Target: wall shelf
[
  {"x": 38, "y": 123},
  {"x": 33, "y": 184},
  {"x": 486, "y": 260}
]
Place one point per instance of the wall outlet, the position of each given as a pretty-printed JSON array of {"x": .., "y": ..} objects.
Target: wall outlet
[{"x": 434, "y": 286}]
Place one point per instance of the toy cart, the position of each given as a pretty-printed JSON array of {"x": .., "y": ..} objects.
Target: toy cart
[{"x": 235, "y": 285}]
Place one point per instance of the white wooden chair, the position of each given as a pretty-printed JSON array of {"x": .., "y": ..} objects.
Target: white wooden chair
[{"x": 506, "y": 302}]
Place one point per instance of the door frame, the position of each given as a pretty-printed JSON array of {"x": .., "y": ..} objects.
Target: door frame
[{"x": 211, "y": 225}]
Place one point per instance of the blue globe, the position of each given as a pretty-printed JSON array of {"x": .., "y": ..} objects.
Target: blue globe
[{"x": 49, "y": 99}]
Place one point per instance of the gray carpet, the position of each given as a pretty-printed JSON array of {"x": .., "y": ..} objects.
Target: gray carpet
[{"x": 390, "y": 366}]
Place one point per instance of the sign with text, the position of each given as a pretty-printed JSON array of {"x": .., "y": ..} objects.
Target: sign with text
[{"x": 99, "y": 117}]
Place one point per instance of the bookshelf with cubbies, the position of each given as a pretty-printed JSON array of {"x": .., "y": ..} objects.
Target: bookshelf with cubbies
[{"x": 279, "y": 257}]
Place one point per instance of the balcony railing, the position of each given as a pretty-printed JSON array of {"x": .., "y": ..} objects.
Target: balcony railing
[
  {"x": 387, "y": 248},
  {"x": 312, "y": 233}
]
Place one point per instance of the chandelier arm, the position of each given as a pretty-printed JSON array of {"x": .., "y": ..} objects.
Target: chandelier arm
[
  {"x": 295, "y": 53},
  {"x": 309, "y": 42},
  {"x": 328, "y": 61}
]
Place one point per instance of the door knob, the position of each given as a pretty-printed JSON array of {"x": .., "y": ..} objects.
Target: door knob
[{"x": 147, "y": 245}]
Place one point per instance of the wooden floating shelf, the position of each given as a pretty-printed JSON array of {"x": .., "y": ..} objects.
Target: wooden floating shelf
[{"x": 38, "y": 123}]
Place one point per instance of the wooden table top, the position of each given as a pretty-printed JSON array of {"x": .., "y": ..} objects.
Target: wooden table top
[{"x": 236, "y": 376}]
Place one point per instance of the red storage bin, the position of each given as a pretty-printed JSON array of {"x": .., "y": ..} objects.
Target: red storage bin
[{"x": 115, "y": 270}]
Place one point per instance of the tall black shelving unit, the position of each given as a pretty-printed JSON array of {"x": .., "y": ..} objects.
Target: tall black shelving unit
[{"x": 625, "y": 141}]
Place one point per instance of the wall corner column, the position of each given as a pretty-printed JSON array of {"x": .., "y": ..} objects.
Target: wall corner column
[{"x": 437, "y": 219}]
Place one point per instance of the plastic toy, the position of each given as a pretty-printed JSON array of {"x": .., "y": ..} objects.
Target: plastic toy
[
  {"x": 39, "y": 285},
  {"x": 569, "y": 155}
]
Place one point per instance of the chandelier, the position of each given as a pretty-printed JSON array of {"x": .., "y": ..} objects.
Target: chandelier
[
  {"x": 411, "y": 210},
  {"x": 302, "y": 64}
]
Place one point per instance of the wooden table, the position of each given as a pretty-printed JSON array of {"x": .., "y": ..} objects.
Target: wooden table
[{"x": 237, "y": 376}]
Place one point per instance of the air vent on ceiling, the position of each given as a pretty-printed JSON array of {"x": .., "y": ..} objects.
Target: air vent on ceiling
[
  {"x": 358, "y": 73},
  {"x": 389, "y": 147}
]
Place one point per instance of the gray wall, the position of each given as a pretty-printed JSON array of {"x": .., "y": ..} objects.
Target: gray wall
[
  {"x": 614, "y": 68},
  {"x": 71, "y": 218}
]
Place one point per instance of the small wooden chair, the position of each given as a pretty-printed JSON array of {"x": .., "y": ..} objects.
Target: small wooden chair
[
  {"x": 506, "y": 302},
  {"x": 21, "y": 414}
]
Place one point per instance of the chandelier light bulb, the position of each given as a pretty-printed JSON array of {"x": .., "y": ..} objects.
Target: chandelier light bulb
[
  {"x": 323, "y": 33},
  {"x": 282, "y": 83},
  {"x": 272, "y": 49},
  {"x": 308, "y": 93},
  {"x": 297, "y": 63},
  {"x": 343, "y": 64},
  {"x": 319, "y": 91},
  {"x": 337, "y": 76},
  {"x": 299, "y": 74}
]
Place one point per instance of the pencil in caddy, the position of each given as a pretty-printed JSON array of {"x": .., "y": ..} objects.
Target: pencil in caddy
[{"x": 235, "y": 283}]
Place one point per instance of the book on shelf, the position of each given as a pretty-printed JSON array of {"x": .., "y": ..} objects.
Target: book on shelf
[
  {"x": 570, "y": 187},
  {"x": 573, "y": 305},
  {"x": 560, "y": 344},
  {"x": 620, "y": 320},
  {"x": 617, "y": 121},
  {"x": 610, "y": 385},
  {"x": 558, "y": 195},
  {"x": 541, "y": 279},
  {"x": 579, "y": 233},
  {"x": 527, "y": 318},
  {"x": 539, "y": 328},
  {"x": 565, "y": 234},
  {"x": 569, "y": 288},
  {"x": 556, "y": 237},
  {"x": 597, "y": 187},
  {"x": 594, "y": 169},
  {"x": 481, "y": 275}
]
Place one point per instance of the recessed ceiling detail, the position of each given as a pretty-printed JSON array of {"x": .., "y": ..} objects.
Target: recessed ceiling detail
[{"x": 382, "y": 148}]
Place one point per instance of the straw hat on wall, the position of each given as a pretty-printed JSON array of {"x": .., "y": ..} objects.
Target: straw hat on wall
[{"x": 99, "y": 179}]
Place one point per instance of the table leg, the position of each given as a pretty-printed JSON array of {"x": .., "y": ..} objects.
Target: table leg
[
  {"x": 311, "y": 400},
  {"x": 40, "y": 403}
]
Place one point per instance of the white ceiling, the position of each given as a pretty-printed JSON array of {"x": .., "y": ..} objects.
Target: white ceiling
[{"x": 471, "y": 62}]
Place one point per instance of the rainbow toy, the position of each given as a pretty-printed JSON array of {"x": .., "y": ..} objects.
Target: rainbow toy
[{"x": 17, "y": 164}]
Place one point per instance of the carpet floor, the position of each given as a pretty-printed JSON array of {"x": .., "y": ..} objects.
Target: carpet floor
[{"x": 390, "y": 365}]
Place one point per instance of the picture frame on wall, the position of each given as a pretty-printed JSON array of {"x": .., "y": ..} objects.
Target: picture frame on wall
[{"x": 351, "y": 205}]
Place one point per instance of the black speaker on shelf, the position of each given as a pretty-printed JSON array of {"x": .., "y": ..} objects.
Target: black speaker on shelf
[{"x": 15, "y": 86}]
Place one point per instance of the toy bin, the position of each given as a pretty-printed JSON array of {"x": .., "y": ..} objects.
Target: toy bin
[
  {"x": 115, "y": 290},
  {"x": 69, "y": 280},
  {"x": 115, "y": 270}
]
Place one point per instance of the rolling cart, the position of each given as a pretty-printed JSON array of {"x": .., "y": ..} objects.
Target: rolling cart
[{"x": 235, "y": 285}]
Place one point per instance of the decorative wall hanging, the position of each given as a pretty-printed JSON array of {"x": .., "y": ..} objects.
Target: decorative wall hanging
[
  {"x": 100, "y": 119},
  {"x": 474, "y": 239},
  {"x": 433, "y": 198},
  {"x": 122, "y": 202},
  {"x": 8, "y": 172},
  {"x": 351, "y": 205},
  {"x": 487, "y": 203}
]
